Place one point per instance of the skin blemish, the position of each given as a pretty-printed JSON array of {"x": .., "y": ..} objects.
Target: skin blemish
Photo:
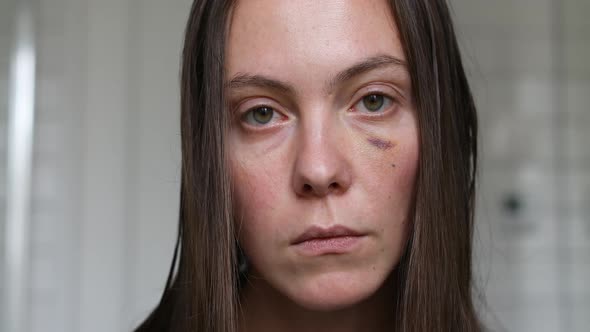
[{"x": 380, "y": 144}]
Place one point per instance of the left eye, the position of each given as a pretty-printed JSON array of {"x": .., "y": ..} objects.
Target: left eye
[
  {"x": 260, "y": 116},
  {"x": 373, "y": 103}
]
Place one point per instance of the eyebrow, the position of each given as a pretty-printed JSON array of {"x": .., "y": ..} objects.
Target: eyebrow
[
  {"x": 364, "y": 66},
  {"x": 241, "y": 80},
  {"x": 248, "y": 80}
]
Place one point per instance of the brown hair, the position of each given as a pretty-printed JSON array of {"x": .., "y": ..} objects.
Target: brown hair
[{"x": 434, "y": 277}]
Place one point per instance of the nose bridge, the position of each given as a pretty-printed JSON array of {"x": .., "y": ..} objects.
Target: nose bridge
[
  {"x": 320, "y": 167},
  {"x": 315, "y": 140}
]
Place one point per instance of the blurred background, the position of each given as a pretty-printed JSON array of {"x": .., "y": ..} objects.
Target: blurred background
[{"x": 90, "y": 160}]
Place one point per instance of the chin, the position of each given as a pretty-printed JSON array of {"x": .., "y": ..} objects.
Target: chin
[{"x": 334, "y": 291}]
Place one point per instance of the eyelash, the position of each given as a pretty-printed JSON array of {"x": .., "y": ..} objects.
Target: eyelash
[{"x": 388, "y": 104}]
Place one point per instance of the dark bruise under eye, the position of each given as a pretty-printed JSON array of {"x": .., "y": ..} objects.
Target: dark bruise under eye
[{"x": 379, "y": 143}]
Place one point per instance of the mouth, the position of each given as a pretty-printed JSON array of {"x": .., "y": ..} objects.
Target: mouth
[{"x": 334, "y": 240}]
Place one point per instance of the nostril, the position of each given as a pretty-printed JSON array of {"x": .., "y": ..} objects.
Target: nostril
[{"x": 309, "y": 189}]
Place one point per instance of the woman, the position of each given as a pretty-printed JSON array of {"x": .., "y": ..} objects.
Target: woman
[{"x": 329, "y": 156}]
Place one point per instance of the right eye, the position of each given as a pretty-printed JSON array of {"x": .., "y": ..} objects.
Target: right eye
[{"x": 260, "y": 116}]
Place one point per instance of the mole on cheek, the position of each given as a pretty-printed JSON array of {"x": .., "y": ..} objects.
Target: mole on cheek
[{"x": 380, "y": 144}]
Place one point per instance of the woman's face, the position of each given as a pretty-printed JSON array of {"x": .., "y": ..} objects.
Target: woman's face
[{"x": 323, "y": 146}]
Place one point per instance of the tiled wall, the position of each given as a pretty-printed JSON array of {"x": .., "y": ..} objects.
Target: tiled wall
[
  {"x": 527, "y": 60},
  {"x": 6, "y": 31},
  {"x": 106, "y": 159},
  {"x": 576, "y": 101},
  {"x": 56, "y": 173}
]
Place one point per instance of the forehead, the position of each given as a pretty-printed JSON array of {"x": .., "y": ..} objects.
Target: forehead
[{"x": 287, "y": 39}]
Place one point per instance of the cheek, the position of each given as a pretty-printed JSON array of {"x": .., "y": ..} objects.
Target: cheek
[
  {"x": 391, "y": 166},
  {"x": 390, "y": 180},
  {"x": 404, "y": 165},
  {"x": 256, "y": 198},
  {"x": 251, "y": 192}
]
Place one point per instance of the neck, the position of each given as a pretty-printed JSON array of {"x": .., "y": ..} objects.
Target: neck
[{"x": 264, "y": 309}]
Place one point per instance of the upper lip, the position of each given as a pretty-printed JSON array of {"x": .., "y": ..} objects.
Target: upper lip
[{"x": 316, "y": 232}]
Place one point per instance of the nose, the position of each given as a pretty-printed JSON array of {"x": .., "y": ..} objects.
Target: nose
[{"x": 320, "y": 167}]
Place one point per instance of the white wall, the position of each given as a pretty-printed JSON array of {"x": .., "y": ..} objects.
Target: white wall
[
  {"x": 527, "y": 60},
  {"x": 106, "y": 161},
  {"x": 6, "y": 38}
]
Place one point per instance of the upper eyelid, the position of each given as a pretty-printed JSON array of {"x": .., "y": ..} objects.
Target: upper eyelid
[
  {"x": 268, "y": 102},
  {"x": 377, "y": 87}
]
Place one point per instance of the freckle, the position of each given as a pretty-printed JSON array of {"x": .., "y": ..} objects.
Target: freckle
[
  {"x": 393, "y": 165},
  {"x": 380, "y": 144}
]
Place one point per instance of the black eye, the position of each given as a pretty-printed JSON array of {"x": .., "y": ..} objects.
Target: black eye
[
  {"x": 263, "y": 114},
  {"x": 373, "y": 102}
]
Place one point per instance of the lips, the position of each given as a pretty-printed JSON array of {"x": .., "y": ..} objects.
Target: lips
[{"x": 315, "y": 233}]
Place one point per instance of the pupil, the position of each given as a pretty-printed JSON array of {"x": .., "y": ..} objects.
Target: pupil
[
  {"x": 263, "y": 114},
  {"x": 373, "y": 102}
]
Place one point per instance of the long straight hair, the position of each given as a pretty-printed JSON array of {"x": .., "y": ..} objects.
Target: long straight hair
[{"x": 434, "y": 276}]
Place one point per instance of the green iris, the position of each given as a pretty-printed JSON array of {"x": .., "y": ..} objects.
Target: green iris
[
  {"x": 373, "y": 102},
  {"x": 263, "y": 114}
]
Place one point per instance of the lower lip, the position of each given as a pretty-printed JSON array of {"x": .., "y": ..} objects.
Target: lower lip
[{"x": 332, "y": 245}]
